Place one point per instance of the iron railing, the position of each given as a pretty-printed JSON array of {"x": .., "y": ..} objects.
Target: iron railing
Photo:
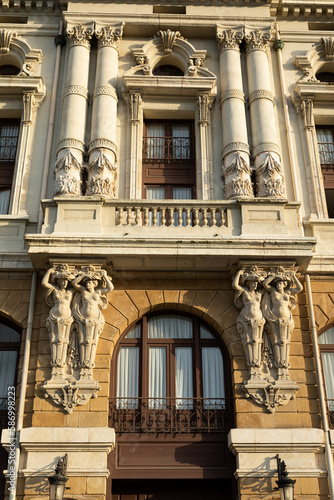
[
  {"x": 326, "y": 153},
  {"x": 170, "y": 415},
  {"x": 168, "y": 149},
  {"x": 8, "y": 146}
]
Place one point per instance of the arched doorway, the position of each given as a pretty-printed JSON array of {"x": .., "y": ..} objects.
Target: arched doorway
[{"x": 171, "y": 408}]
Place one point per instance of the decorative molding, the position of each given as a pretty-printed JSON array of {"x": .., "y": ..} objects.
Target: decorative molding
[
  {"x": 261, "y": 94},
  {"x": 265, "y": 147},
  {"x": 235, "y": 146},
  {"x": 28, "y": 105},
  {"x": 76, "y": 89},
  {"x": 75, "y": 322},
  {"x": 103, "y": 144},
  {"x": 232, "y": 94},
  {"x": 102, "y": 176},
  {"x": 306, "y": 107},
  {"x": 20, "y": 51},
  {"x": 237, "y": 178},
  {"x": 135, "y": 104},
  {"x": 105, "y": 91},
  {"x": 81, "y": 34},
  {"x": 270, "y": 178},
  {"x": 229, "y": 38},
  {"x": 204, "y": 106},
  {"x": 5, "y": 40},
  {"x": 109, "y": 36},
  {"x": 71, "y": 143},
  {"x": 257, "y": 39},
  {"x": 328, "y": 44},
  {"x": 266, "y": 298},
  {"x": 168, "y": 39},
  {"x": 67, "y": 176}
]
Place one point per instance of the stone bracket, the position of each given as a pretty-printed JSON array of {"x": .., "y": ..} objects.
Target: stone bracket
[{"x": 270, "y": 394}]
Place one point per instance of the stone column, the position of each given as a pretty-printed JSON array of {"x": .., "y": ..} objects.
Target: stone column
[
  {"x": 71, "y": 146},
  {"x": 266, "y": 153},
  {"x": 101, "y": 169},
  {"x": 235, "y": 154},
  {"x": 204, "y": 103}
]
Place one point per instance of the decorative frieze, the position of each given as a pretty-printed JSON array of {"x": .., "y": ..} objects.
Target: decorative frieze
[
  {"x": 260, "y": 94},
  {"x": 71, "y": 143},
  {"x": 76, "y": 89},
  {"x": 109, "y": 36},
  {"x": 270, "y": 178},
  {"x": 266, "y": 299},
  {"x": 80, "y": 34},
  {"x": 102, "y": 176},
  {"x": 231, "y": 93},
  {"x": 75, "y": 322},
  {"x": 229, "y": 38},
  {"x": 328, "y": 44},
  {"x": 257, "y": 39},
  {"x": 110, "y": 91},
  {"x": 264, "y": 147},
  {"x": 237, "y": 178},
  {"x": 235, "y": 146},
  {"x": 67, "y": 176}
]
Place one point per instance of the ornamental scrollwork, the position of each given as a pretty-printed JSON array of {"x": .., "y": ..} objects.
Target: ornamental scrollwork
[
  {"x": 237, "y": 178},
  {"x": 109, "y": 36},
  {"x": 270, "y": 178},
  {"x": 102, "y": 176},
  {"x": 6, "y": 37},
  {"x": 257, "y": 39},
  {"x": 229, "y": 38},
  {"x": 328, "y": 44},
  {"x": 80, "y": 34},
  {"x": 67, "y": 175},
  {"x": 168, "y": 39}
]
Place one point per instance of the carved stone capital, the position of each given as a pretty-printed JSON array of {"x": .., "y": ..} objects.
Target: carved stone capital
[
  {"x": 6, "y": 37},
  {"x": 270, "y": 178},
  {"x": 237, "y": 178},
  {"x": 168, "y": 39},
  {"x": 257, "y": 39},
  {"x": 80, "y": 34},
  {"x": 109, "y": 36},
  {"x": 229, "y": 38},
  {"x": 306, "y": 107},
  {"x": 328, "y": 44}
]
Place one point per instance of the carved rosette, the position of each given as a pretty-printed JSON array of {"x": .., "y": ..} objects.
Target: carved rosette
[
  {"x": 270, "y": 178},
  {"x": 80, "y": 35},
  {"x": 102, "y": 176},
  {"x": 67, "y": 175},
  {"x": 257, "y": 40},
  {"x": 76, "y": 298},
  {"x": 109, "y": 36},
  {"x": 266, "y": 298},
  {"x": 229, "y": 39},
  {"x": 237, "y": 178}
]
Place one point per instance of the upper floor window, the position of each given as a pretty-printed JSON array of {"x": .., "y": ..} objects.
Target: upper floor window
[
  {"x": 9, "y": 134},
  {"x": 326, "y": 345},
  {"x": 170, "y": 364},
  {"x": 167, "y": 70},
  {"x": 325, "y": 137}
]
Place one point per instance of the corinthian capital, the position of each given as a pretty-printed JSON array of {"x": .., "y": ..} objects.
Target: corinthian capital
[
  {"x": 80, "y": 35},
  {"x": 109, "y": 36},
  {"x": 229, "y": 38},
  {"x": 257, "y": 39}
]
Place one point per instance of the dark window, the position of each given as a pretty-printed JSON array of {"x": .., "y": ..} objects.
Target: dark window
[
  {"x": 325, "y": 77},
  {"x": 325, "y": 137},
  {"x": 326, "y": 345},
  {"x": 9, "y": 133},
  {"x": 167, "y": 70},
  {"x": 9, "y": 350},
  {"x": 9, "y": 70}
]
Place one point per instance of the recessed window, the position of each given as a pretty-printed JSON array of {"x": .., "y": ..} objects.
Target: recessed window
[
  {"x": 326, "y": 345},
  {"x": 9, "y": 134},
  {"x": 325, "y": 137}
]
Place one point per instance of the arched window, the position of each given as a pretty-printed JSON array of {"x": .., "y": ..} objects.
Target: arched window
[
  {"x": 170, "y": 363},
  {"x": 9, "y": 353},
  {"x": 326, "y": 345}
]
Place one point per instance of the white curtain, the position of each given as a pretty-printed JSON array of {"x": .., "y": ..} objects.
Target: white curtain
[
  {"x": 327, "y": 337},
  {"x": 181, "y": 193},
  {"x": 7, "y": 374},
  {"x": 173, "y": 326},
  {"x": 328, "y": 370},
  {"x": 157, "y": 376},
  {"x": 181, "y": 141},
  {"x": 326, "y": 146},
  {"x": 155, "y": 193},
  {"x": 4, "y": 200},
  {"x": 8, "y": 141},
  {"x": 183, "y": 377},
  {"x": 204, "y": 333},
  {"x": 213, "y": 377},
  {"x": 127, "y": 377},
  {"x": 155, "y": 141},
  {"x": 135, "y": 333}
]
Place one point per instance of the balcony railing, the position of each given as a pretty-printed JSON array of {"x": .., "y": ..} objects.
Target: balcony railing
[
  {"x": 168, "y": 149},
  {"x": 170, "y": 415},
  {"x": 186, "y": 213},
  {"x": 8, "y": 147},
  {"x": 326, "y": 153}
]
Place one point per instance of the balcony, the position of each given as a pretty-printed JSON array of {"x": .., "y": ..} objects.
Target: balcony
[{"x": 170, "y": 416}]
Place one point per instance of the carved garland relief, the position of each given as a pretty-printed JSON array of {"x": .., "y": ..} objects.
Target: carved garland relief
[
  {"x": 75, "y": 322},
  {"x": 265, "y": 324}
]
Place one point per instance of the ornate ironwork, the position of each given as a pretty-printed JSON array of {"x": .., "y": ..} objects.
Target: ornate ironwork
[
  {"x": 8, "y": 147},
  {"x": 326, "y": 153},
  {"x": 168, "y": 149},
  {"x": 170, "y": 415}
]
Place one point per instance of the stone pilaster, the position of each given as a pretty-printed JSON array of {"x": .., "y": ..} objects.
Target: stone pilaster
[
  {"x": 235, "y": 154},
  {"x": 71, "y": 146},
  {"x": 266, "y": 153},
  {"x": 102, "y": 172}
]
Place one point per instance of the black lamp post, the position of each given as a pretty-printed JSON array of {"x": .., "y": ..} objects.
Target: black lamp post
[
  {"x": 284, "y": 483},
  {"x": 58, "y": 481}
]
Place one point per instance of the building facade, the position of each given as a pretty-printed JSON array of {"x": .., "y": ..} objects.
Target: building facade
[{"x": 166, "y": 228}]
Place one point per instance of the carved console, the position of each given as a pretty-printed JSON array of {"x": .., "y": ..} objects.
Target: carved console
[
  {"x": 76, "y": 297},
  {"x": 266, "y": 298}
]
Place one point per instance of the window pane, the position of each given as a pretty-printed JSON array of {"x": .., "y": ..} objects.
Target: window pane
[
  {"x": 328, "y": 369},
  {"x": 155, "y": 141},
  {"x": 205, "y": 333},
  {"x": 4, "y": 200},
  {"x": 127, "y": 377},
  {"x": 135, "y": 333},
  {"x": 8, "y": 141},
  {"x": 183, "y": 377},
  {"x": 181, "y": 141},
  {"x": 327, "y": 337},
  {"x": 7, "y": 374},
  {"x": 213, "y": 377},
  {"x": 326, "y": 146},
  {"x": 157, "y": 377},
  {"x": 171, "y": 326},
  {"x": 7, "y": 334}
]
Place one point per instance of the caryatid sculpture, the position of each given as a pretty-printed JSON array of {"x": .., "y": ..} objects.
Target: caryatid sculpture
[
  {"x": 277, "y": 306},
  {"x": 250, "y": 321},
  {"x": 59, "y": 322},
  {"x": 93, "y": 287}
]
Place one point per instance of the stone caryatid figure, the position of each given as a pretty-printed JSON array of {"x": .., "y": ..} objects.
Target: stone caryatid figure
[
  {"x": 59, "y": 322},
  {"x": 277, "y": 306},
  {"x": 250, "y": 321},
  {"x": 87, "y": 306}
]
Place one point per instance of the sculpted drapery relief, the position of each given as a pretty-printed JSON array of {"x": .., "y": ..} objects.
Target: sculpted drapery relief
[
  {"x": 75, "y": 322},
  {"x": 265, "y": 323}
]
